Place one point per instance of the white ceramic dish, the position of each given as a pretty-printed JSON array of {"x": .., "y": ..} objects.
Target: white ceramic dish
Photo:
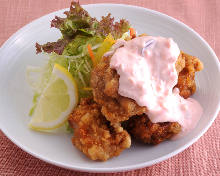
[{"x": 15, "y": 95}]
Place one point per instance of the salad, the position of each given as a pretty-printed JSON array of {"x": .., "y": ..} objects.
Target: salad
[{"x": 83, "y": 42}]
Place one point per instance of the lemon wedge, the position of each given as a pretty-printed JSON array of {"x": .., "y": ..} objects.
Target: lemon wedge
[{"x": 56, "y": 102}]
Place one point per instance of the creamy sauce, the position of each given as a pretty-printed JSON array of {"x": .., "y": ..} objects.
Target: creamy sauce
[{"x": 146, "y": 66}]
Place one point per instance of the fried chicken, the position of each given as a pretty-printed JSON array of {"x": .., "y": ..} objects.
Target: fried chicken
[
  {"x": 105, "y": 82},
  {"x": 94, "y": 135},
  {"x": 141, "y": 128},
  {"x": 97, "y": 123},
  {"x": 186, "y": 80}
]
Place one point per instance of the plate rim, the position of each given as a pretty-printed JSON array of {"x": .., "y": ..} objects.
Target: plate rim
[{"x": 123, "y": 168}]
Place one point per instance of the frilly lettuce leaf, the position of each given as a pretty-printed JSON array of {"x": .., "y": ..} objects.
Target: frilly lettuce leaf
[
  {"x": 50, "y": 47},
  {"x": 107, "y": 26},
  {"x": 79, "y": 45},
  {"x": 79, "y": 22}
]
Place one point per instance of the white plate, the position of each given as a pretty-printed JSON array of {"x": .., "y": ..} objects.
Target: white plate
[{"x": 16, "y": 96}]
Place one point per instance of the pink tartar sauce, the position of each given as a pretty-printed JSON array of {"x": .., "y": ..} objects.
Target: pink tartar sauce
[{"x": 146, "y": 66}]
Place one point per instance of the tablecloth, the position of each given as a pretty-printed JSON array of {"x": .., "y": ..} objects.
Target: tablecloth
[{"x": 202, "y": 158}]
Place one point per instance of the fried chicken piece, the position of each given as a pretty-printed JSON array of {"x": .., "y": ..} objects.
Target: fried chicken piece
[
  {"x": 141, "y": 128},
  {"x": 180, "y": 63},
  {"x": 105, "y": 82},
  {"x": 116, "y": 108},
  {"x": 186, "y": 80},
  {"x": 94, "y": 135}
]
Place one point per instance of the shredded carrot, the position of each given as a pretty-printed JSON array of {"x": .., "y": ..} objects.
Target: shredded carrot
[
  {"x": 132, "y": 32},
  {"x": 91, "y": 54}
]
